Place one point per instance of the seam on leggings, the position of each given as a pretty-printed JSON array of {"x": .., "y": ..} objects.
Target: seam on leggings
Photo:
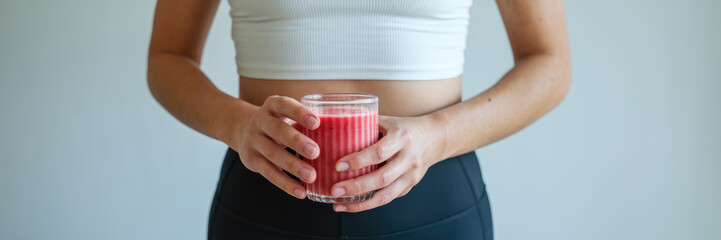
[
  {"x": 468, "y": 179},
  {"x": 236, "y": 158},
  {"x": 273, "y": 228},
  {"x": 480, "y": 215},
  {"x": 478, "y": 208},
  {"x": 221, "y": 185}
]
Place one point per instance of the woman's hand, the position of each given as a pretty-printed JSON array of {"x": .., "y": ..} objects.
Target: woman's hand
[
  {"x": 410, "y": 145},
  {"x": 260, "y": 142}
]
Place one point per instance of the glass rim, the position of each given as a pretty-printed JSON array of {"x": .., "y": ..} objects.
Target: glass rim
[{"x": 339, "y": 98}]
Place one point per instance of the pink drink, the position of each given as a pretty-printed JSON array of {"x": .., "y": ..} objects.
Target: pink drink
[{"x": 346, "y": 126}]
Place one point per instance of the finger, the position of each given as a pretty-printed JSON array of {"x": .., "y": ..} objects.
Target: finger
[
  {"x": 290, "y": 137},
  {"x": 377, "y": 179},
  {"x": 290, "y": 108},
  {"x": 283, "y": 159},
  {"x": 280, "y": 179},
  {"x": 380, "y": 198},
  {"x": 385, "y": 148}
]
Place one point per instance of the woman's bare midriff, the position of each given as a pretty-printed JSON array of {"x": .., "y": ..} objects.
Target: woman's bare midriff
[{"x": 396, "y": 98}]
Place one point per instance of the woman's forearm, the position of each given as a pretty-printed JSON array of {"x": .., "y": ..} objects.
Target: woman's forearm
[
  {"x": 179, "y": 85},
  {"x": 534, "y": 86}
]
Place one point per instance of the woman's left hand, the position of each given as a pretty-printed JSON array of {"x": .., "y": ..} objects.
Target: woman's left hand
[{"x": 409, "y": 146}]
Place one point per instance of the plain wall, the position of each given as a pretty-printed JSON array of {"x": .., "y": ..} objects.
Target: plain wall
[{"x": 634, "y": 152}]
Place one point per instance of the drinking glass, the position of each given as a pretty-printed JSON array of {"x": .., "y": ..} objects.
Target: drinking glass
[{"x": 348, "y": 124}]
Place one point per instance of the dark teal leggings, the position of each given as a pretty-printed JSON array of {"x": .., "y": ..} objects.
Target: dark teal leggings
[{"x": 450, "y": 202}]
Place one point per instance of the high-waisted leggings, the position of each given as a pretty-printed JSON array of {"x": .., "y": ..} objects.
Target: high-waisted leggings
[{"x": 450, "y": 202}]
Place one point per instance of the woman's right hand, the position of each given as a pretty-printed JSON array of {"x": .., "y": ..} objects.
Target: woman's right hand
[{"x": 258, "y": 141}]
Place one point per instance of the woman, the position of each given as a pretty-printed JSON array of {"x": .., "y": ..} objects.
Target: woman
[{"x": 409, "y": 53}]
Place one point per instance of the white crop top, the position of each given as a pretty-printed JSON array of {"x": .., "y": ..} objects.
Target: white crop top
[{"x": 350, "y": 39}]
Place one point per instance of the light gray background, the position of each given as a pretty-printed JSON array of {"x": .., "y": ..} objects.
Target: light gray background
[{"x": 634, "y": 152}]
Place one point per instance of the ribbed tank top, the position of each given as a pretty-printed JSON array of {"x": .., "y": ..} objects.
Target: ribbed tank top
[{"x": 350, "y": 39}]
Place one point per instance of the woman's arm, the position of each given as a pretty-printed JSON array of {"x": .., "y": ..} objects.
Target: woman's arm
[
  {"x": 176, "y": 81},
  {"x": 537, "y": 83},
  {"x": 174, "y": 76}
]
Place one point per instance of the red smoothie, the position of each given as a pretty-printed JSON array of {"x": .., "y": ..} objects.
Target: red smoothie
[{"x": 342, "y": 131}]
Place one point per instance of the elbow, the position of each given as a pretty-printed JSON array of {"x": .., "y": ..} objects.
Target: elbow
[
  {"x": 561, "y": 80},
  {"x": 158, "y": 67},
  {"x": 152, "y": 73},
  {"x": 553, "y": 70},
  {"x": 149, "y": 78},
  {"x": 563, "y": 84}
]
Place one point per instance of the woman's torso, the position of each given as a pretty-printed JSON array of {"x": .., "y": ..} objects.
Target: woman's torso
[{"x": 396, "y": 98}]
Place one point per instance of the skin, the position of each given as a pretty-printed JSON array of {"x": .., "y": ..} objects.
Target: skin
[{"x": 424, "y": 122}]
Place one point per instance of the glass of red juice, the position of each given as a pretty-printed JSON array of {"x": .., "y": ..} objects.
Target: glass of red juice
[{"x": 348, "y": 124}]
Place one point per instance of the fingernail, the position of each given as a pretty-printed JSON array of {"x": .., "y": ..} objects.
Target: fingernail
[
  {"x": 310, "y": 120},
  {"x": 299, "y": 193},
  {"x": 305, "y": 174},
  {"x": 341, "y": 208},
  {"x": 342, "y": 166},
  {"x": 309, "y": 149},
  {"x": 339, "y": 191}
]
